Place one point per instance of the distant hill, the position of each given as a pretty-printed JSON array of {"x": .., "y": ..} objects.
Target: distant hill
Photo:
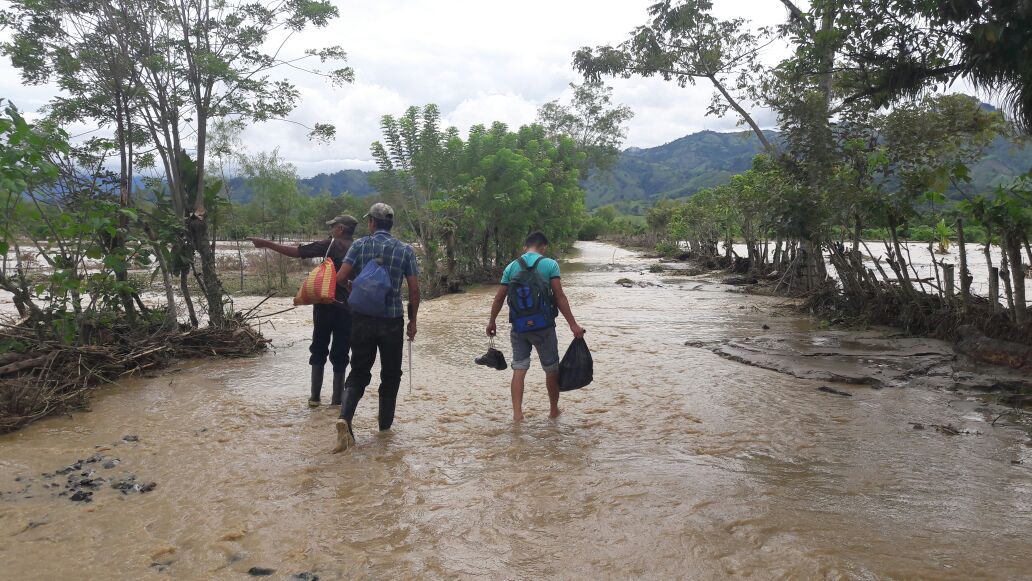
[
  {"x": 674, "y": 170},
  {"x": 351, "y": 181},
  {"x": 705, "y": 159},
  {"x": 682, "y": 167}
]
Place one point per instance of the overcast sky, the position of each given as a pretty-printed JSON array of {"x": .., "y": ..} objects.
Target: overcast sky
[{"x": 478, "y": 60}]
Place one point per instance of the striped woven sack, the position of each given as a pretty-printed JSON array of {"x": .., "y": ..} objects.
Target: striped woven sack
[{"x": 320, "y": 286}]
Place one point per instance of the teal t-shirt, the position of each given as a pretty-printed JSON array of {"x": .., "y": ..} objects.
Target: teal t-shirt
[{"x": 547, "y": 269}]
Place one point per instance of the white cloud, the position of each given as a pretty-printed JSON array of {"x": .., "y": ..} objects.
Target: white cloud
[
  {"x": 509, "y": 108},
  {"x": 479, "y": 61}
]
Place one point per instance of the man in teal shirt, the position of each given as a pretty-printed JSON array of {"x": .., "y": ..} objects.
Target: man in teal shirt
[{"x": 544, "y": 340}]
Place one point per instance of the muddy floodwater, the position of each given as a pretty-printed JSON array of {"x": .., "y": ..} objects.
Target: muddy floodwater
[{"x": 679, "y": 461}]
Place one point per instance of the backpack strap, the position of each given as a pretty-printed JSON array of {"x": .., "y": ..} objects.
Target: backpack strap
[{"x": 328, "y": 247}]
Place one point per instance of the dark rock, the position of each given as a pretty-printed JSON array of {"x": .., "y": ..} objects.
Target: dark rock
[
  {"x": 832, "y": 390},
  {"x": 260, "y": 571},
  {"x": 129, "y": 484},
  {"x": 85, "y": 480},
  {"x": 131, "y": 438},
  {"x": 766, "y": 327},
  {"x": 306, "y": 576},
  {"x": 94, "y": 458},
  {"x": 82, "y": 496},
  {"x": 918, "y": 426},
  {"x": 112, "y": 463},
  {"x": 1015, "y": 461}
]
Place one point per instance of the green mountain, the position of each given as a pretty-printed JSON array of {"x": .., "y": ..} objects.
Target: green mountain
[
  {"x": 686, "y": 165},
  {"x": 351, "y": 181},
  {"x": 674, "y": 170},
  {"x": 705, "y": 159}
]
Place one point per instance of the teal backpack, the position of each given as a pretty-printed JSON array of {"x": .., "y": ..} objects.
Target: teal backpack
[{"x": 531, "y": 304}]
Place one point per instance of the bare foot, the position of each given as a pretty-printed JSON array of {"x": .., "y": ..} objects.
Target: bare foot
[
  {"x": 555, "y": 413},
  {"x": 517, "y": 418},
  {"x": 345, "y": 439}
]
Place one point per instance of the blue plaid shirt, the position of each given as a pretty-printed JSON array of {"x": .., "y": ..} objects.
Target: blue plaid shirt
[{"x": 399, "y": 260}]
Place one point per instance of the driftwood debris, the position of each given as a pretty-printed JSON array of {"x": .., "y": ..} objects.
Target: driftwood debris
[{"x": 45, "y": 377}]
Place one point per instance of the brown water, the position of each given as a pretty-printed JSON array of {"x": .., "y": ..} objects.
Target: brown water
[{"x": 675, "y": 463}]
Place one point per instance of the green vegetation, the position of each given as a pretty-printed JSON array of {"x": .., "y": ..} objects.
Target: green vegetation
[
  {"x": 469, "y": 204},
  {"x": 840, "y": 167}
]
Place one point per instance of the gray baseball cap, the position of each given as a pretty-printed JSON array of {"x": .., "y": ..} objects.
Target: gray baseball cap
[
  {"x": 345, "y": 221},
  {"x": 380, "y": 211}
]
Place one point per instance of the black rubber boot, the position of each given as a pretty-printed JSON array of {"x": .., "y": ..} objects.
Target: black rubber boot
[
  {"x": 386, "y": 417},
  {"x": 349, "y": 402},
  {"x": 317, "y": 377},
  {"x": 338, "y": 388}
]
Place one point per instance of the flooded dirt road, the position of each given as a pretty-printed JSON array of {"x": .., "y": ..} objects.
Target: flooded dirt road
[{"x": 675, "y": 463}]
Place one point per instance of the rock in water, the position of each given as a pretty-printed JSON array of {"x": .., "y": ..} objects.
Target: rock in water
[
  {"x": 82, "y": 496},
  {"x": 832, "y": 390}
]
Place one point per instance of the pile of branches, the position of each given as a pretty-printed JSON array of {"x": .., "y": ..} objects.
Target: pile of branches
[{"x": 45, "y": 376}]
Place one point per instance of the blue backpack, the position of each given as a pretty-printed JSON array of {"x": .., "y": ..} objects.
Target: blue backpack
[
  {"x": 371, "y": 290},
  {"x": 531, "y": 305}
]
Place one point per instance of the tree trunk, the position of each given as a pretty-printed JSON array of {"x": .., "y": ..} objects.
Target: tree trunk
[
  {"x": 184, "y": 285},
  {"x": 124, "y": 201},
  {"x": 965, "y": 275},
  {"x": 197, "y": 227},
  {"x": 897, "y": 262},
  {"x": 1013, "y": 242},
  {"x": 1005, "y": 274},
  {"x": 743, "y": 113},
  {"x": 858, "y": 232},
  {"x": 171, "y": 312}
]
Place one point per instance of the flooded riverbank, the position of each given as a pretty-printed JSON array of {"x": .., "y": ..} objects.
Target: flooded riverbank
[{"x": 676, "y": 463}]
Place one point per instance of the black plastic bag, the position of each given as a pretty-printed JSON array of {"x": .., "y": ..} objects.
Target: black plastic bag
[{"x": 576, "y": 369}]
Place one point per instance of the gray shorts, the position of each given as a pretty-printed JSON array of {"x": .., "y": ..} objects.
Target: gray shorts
[{"x": 544, "y": 341}]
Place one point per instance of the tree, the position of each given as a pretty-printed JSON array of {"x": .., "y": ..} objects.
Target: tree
[
  {"x": 684, "y": 42},
  {"x": 414, "y": 168},
  {"x": 897, "y": 49},
  {"x": 590, "y": 120},
  {"x": 183, "y": 64}
]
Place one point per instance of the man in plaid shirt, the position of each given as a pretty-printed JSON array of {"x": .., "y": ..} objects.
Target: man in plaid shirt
[{"x": 386, "y": 334}]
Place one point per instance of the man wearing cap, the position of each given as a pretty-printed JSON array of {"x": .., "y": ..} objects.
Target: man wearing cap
[
  {"x": 386, "y": 334},
  {"x": 332, "y": 322}
]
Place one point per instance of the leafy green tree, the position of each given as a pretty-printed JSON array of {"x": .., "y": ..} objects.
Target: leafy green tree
[
  {"x": 897, "y": 49},
  {"x": 684, "y": 42},
  {"x": 594, "y": 124},
  {"x": 184, "y": 64}
]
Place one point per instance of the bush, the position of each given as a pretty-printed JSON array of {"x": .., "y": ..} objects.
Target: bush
[
  {"x": 668, "y": 249},
  {"x": 920, "y": 234},
  {"x": 592, "y": 229}
]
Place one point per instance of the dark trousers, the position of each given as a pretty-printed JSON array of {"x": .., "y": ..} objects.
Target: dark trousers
[
  {"x": 369, "y": 334},
  {"x": 331, "y": 322}
]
